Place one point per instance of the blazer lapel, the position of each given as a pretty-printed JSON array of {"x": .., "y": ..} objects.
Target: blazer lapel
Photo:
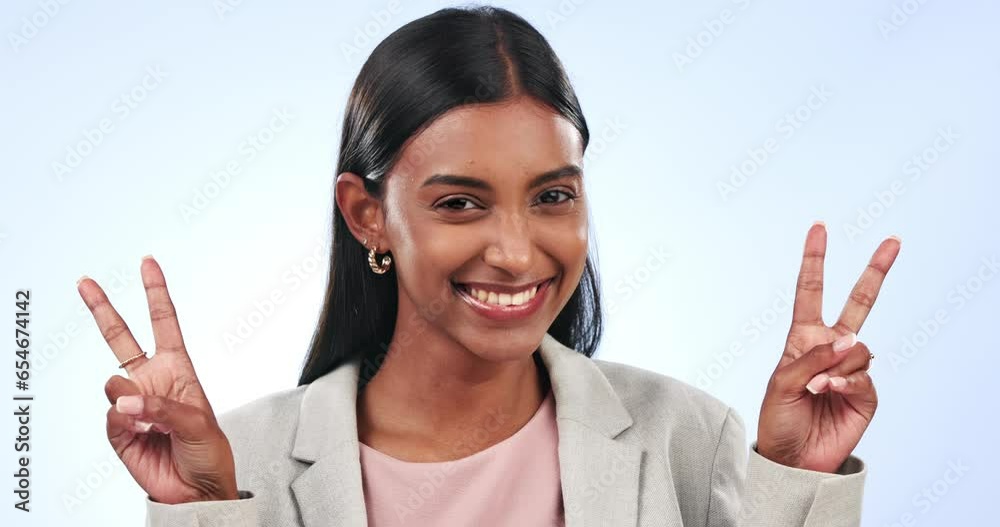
[
  {"x": 330, "y": 492},
  {"x": 600, "y": 476}
]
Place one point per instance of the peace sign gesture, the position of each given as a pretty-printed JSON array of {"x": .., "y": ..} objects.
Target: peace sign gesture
[
  {"x": 820, "y": 398},
  {"x": 160, "y": 423}
]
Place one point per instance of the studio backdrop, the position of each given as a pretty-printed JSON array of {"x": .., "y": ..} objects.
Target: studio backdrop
[{"x": 206, "y": 134}]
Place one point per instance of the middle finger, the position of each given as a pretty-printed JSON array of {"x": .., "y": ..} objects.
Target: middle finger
[{"x": 866, "y": 290}]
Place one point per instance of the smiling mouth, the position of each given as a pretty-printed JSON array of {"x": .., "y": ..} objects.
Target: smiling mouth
[
  {"x": 501, "y": 298},
  {"x": 503, "y": 305}
]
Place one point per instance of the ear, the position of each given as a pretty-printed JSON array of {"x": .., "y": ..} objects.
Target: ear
[{"x": 361, "y": 210}]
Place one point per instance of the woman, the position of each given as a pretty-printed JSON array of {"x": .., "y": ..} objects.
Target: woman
[{"x": 451, "y": 383}]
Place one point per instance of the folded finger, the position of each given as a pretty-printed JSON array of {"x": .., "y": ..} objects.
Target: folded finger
[
  {"x": 121, "y": 429},
  {"x": 856, "y": 383},
  {"x": 167, "y": 415},
  {"x": 858, "y": 358},
  {"x": 808, "y": 371},
  {"x": 118, "y": 386}
]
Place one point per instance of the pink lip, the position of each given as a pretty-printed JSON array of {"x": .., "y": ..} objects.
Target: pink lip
[{"x": 495, "y": 312}]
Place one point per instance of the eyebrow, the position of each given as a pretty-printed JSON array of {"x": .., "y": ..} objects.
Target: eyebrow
[{"x": 471, "y": 182}]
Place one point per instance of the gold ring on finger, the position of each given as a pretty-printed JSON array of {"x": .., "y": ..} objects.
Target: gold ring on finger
[{"x": 132, "y": 358}]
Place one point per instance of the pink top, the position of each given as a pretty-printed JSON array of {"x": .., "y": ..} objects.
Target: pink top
[{"x": 512, "y": 483}]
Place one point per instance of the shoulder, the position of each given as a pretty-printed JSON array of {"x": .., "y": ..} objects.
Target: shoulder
[
  {"x": 661, "y": 404},
  {"x": 687, "y": 434}
]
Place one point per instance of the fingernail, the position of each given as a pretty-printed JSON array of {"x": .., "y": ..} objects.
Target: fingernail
[
  {"x": 162, "y": 428},
  {"x": 838, "y": 382},
  {"x": 82, "y": 278},
  {"x": 148, "y": 257},
  {"x": 129, "y": 404},
  {"x": 817, "y": 383},
  {"x": 897, "y": 238},
  {"x": 143, "y": 426},
  {"x": 845, "y": 342},
  {"x": 820, "y": 222}
]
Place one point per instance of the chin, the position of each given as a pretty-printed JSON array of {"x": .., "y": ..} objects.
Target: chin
[{"x": 501, "y": 344}]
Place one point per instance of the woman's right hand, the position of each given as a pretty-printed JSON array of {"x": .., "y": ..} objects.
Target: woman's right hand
[{"x": 160, "y": 422}]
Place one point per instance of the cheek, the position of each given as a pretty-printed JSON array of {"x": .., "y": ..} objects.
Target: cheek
[
  {"x": 576, "y": 248},
  {"x": 426, "y": 253},
  {"x": 568, "y": 245}
]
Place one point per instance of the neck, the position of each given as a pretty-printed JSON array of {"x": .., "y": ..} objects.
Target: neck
[{"x": 434, "y": 400}]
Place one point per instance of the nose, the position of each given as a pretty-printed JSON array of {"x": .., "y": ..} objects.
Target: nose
[{"x": 511, "y": 247}]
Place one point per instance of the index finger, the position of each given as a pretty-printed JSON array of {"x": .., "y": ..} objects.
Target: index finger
[
  {"x": 114, "y": 330},
  {"x": 808, "y": 308},
  {"x": 166, "y": 329},
  {"x": 866, "y": 290}
]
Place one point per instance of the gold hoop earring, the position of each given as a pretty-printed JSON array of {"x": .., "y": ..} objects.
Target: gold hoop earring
[{"x": 376, "y": 268}]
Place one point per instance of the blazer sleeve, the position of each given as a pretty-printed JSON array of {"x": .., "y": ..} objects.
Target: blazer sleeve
[
  {"x": 759, "y": 492},
  {"x": 222, "y": 513}
]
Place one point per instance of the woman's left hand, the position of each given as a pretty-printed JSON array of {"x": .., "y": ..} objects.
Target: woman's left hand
[{"x": 820, "y": 398}]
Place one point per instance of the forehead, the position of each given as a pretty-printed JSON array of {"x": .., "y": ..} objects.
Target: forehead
[{"x": 518, "y": 137}]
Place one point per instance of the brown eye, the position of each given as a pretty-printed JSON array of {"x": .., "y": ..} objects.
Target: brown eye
[
  {"x": 552, "y": 196},
  {"x": 457, "y": 204}
]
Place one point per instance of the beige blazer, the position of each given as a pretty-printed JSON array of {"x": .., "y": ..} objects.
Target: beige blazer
[{"x": 636, "y": 448}]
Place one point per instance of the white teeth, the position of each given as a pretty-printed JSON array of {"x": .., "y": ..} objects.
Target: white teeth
[{"x": 503, "y": 299}]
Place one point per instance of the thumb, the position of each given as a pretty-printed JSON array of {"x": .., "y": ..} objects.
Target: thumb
[
  {"x": 187, "y": 422},
  {"x": 791, "y": 379}
]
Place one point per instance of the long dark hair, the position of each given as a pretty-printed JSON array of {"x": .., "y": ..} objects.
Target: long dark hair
[{"x": 450, "y": 58}]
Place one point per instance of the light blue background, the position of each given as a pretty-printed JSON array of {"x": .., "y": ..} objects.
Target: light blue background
[{"x": 674, "y": 124}]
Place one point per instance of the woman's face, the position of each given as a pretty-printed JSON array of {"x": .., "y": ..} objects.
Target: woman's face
[{"x": 487, "y": 222}]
